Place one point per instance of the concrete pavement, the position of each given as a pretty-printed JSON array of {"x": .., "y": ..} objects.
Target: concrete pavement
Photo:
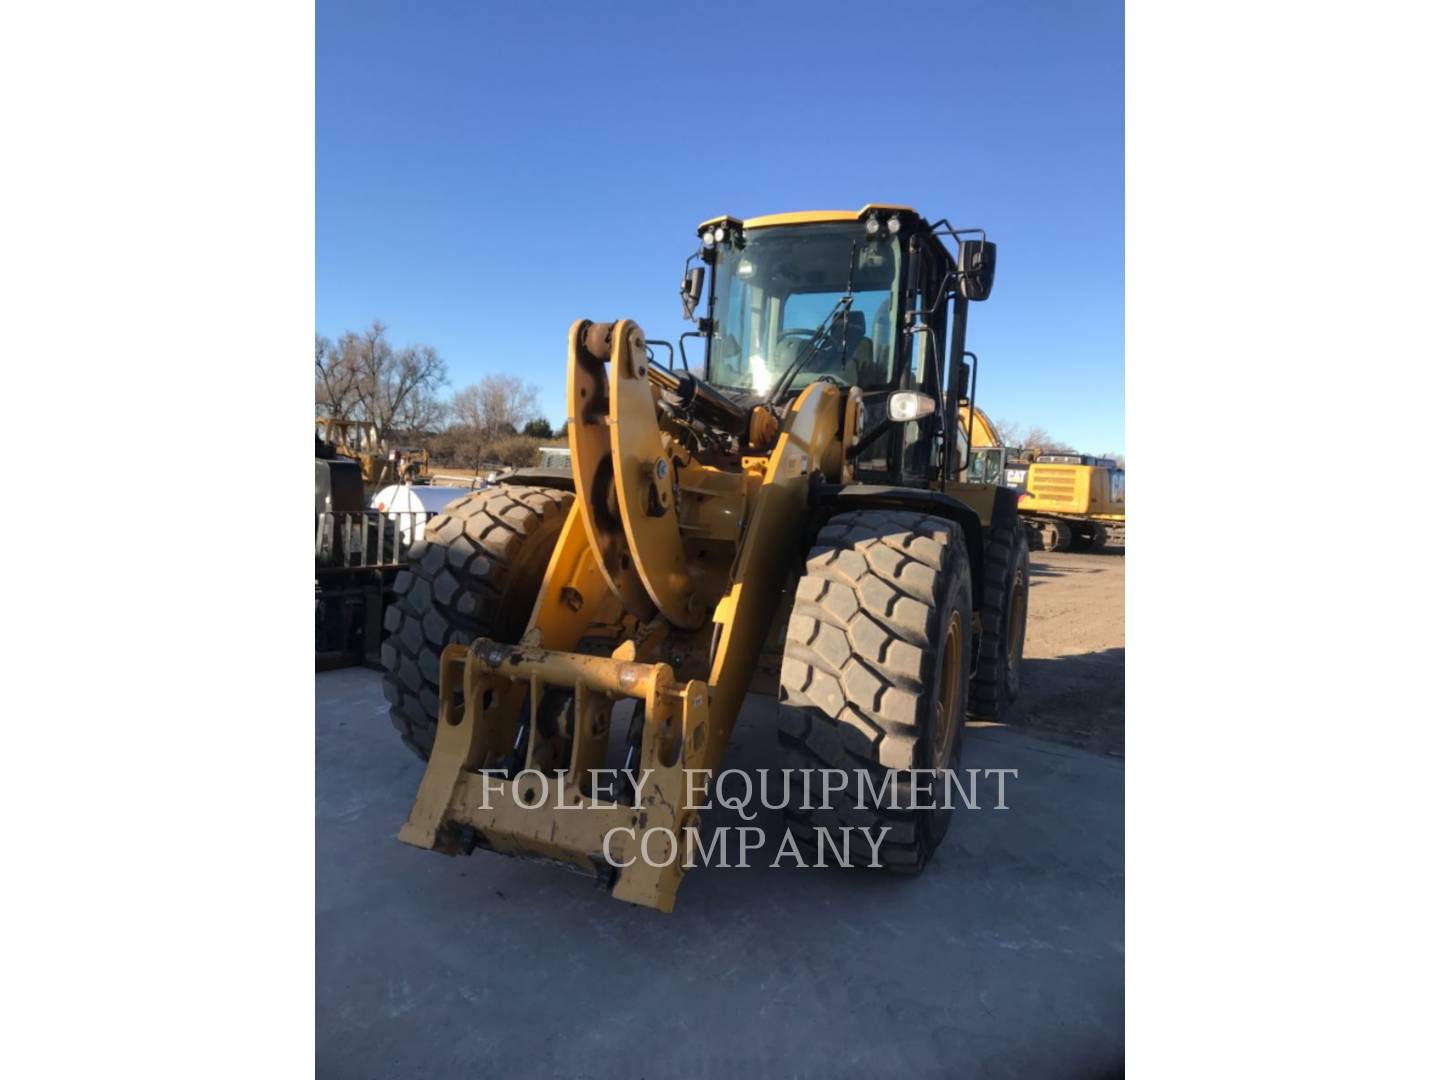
[{"x": 1005, "y": 958}]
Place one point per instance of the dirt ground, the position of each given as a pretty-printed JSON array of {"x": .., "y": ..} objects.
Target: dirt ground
[{"x": 1074, "y": 672}]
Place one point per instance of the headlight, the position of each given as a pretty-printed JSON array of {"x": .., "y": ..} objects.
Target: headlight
[
  {"x": 906, "y": 405},
  {"x": 872, "y": 226},
  {"x": 708, "y": 238},
  {"x": 893, "y": 223}
]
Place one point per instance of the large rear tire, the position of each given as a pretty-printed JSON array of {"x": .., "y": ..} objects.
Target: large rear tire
[
  {"x": 875, "y": 675},
  {"x": 1004, "y": 607},
  {"x": 476, "y": 573}
]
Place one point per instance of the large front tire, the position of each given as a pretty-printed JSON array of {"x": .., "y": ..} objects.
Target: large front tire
[
  {"x": 476, "y": 573},
  {"x": 875, "y": 676}
]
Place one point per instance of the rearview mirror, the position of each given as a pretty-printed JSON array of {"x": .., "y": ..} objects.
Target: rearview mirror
[
  {"x": 691, "y": 289},
  {"x": 976, "y": 269}
]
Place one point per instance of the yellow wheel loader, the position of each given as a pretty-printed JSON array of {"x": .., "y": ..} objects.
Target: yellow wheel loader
[{"x": 790, "y": 520}]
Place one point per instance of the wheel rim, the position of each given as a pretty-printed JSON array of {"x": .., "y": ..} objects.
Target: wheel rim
[{"x": 948, "y": 700}]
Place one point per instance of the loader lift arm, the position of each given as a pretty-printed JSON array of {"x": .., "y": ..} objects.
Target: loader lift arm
[{"x": 604, "y": 561}]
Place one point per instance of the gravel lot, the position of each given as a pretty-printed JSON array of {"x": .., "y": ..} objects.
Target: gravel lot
[{"x": 1075, "y": 651}]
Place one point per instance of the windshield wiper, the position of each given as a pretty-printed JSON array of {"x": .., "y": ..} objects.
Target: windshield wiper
[{"x": 812, "y": 344}]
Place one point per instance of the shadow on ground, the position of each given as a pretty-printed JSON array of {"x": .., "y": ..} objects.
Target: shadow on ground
[
  {"x": 1075, "y": 700},
  {"x": 1058, "y": 570}
]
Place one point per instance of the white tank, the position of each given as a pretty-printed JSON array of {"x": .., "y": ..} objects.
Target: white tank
[{"x": 411, "y": 506}]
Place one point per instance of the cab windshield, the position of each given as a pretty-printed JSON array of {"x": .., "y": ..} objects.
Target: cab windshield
[{"x": 778, "y": 304}]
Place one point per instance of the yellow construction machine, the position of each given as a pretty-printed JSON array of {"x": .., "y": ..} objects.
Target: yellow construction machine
[
  {"x": 359, "y": 440},
  {"x": 792, "y": 520},
  {"x": 1069, "y": 502},
  {"x": 991, "y": 461},
  {"x": 1074, "y": 502}
]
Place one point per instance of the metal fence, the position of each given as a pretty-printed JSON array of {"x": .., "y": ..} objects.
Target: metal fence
[{"x": 365, "y": 539}]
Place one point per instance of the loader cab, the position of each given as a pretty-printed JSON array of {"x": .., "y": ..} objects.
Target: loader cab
[{"x": 861, "y": 299}]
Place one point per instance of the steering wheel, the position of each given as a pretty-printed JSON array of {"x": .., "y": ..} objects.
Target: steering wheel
[
  {"x": 805, "y": 336},
  {"x": 790, "y": 342},
  {"x": 820, "y": 346}
]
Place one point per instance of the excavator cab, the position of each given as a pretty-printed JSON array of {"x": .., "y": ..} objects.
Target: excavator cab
[
  {"x": 987, "y": 465},
  {"x": 1004, "y": 465}
]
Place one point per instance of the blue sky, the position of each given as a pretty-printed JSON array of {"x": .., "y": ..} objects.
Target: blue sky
[{"x": 487, "y": 173}]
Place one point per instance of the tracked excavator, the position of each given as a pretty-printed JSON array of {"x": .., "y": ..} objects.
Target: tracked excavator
[
  {"x": 1068, "y": 501},
  {"x": 1074, "y": 502}
]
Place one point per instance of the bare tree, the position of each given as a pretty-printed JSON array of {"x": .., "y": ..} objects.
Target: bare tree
[
  {"x": 497, "y": 405},
  {"x": 1007, "y": 431},
  {"x": 1037, "y": 438},
  {"x": 389, "y": 378},
  {"x": 335, "y": 380},
  {"x": 420, "y": 407},
  {"x": 363, "y": 376},
  {"x": 494, "y": 407}
]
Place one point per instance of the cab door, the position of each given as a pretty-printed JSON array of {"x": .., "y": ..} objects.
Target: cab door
[{"x": 917, "y": 445}]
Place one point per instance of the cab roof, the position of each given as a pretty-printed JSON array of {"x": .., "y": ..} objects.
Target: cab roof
[{"x": 806, "y": 217}]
